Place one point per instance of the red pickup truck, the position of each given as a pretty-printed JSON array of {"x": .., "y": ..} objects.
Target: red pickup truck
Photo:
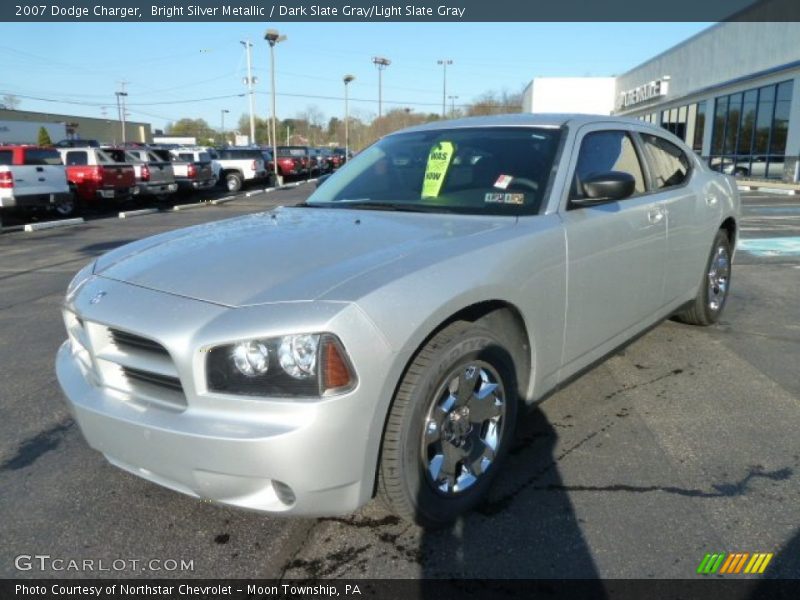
[{"x": 94, "y": 175}]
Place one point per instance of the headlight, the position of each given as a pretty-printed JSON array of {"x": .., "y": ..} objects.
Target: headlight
[
  {"x": 80, "y": 278},
  {"x": 308, "y": 365}
]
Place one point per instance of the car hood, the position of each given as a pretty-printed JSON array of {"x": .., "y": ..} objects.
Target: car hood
[{"x": 290, "y": 254}]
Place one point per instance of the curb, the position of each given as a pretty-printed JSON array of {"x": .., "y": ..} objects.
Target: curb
[
  {"x": 53, "y": 224},
  {"x": 136, "y": 213},
  {"x": 188, "y": 206},
  {"x": 769, "y": 190}
]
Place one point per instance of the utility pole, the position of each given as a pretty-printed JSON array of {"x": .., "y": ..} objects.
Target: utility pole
[
  {"x": 121, "y": 95},
  {"x": 380, "y": 63},
  {"x": 250, "y": 81},
  {"x": 444, "y": 62}
]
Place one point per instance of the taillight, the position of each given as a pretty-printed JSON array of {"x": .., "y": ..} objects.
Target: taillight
[
  {"x": 192, "y": 171},
  {"x": 145, "y": 173},
  {"x": 6, "y": 179},
  {"x": 254, "y": 166}
]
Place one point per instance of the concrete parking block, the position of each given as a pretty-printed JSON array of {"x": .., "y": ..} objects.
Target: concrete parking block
[
  {"x": 136, "y": 213},
  {"x": 188, "y": 206},
  {"x": 248, "y": 194},
  {"x": 53, "y": 224},
  {"x": 222, "y": 200}
]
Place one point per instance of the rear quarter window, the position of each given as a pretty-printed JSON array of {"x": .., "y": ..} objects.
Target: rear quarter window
[
  {"x": 34, "y": 156},
  {"x": 77, "y": 158},
  {"x": 669, "y": 166}
]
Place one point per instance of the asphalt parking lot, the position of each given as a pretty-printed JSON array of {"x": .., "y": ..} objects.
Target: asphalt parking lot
[{"x": 682, "y": 443}]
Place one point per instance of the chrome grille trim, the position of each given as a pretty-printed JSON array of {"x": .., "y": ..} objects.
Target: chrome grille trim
[{"x": 123, "y": 339}]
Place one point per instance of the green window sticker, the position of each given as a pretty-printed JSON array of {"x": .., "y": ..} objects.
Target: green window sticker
[{"x": 439, "y": 159}]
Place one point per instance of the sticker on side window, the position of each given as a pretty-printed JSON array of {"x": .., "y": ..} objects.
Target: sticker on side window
[
  {"x": 439, "y": 159},
  {"x": 499, "y": 198}
]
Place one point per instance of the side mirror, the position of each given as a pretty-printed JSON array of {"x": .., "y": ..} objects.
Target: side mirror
[
  {"x": 322, "y": 179},
  {"x": 606, "y": 187}
]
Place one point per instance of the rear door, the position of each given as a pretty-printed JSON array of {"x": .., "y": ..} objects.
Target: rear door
[
  {"x": 670, "y": 174},
  {"x": 615, "y": 250}
]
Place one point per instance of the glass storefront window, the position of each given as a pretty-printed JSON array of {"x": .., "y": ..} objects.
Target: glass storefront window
[
  {"x": 750, "y": 130},
  {"x": 699, "y": 127}
]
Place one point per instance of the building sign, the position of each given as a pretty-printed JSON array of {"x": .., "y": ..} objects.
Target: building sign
[{"x": 643, "y": 93}]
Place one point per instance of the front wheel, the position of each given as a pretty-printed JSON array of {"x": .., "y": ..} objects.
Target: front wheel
[
  {"x": 714, "y": 287},
  {"x": 449, "y": 427}
]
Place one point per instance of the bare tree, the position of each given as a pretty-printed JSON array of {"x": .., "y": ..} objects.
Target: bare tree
[{"x": 10, "y": 101}]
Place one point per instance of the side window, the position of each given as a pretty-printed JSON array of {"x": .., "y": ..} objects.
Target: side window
[
  {"x": 603, "y": 151},
  {"x": 668, "y": 164},
  {"x": 77, "y": 158}
]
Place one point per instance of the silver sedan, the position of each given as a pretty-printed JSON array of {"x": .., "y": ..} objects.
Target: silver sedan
[{"x": 386, "y": 334}]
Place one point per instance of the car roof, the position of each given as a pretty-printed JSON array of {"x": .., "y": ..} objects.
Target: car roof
[{"x": 525, "y": 120}]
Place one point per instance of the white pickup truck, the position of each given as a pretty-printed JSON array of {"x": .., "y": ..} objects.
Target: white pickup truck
[
  {"x": 32, "y": 178},
  {"x": 240, "y": 166}
]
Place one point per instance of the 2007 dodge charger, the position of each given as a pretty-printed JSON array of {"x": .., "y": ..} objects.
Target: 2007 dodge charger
[{"x": 384, "y": 336}]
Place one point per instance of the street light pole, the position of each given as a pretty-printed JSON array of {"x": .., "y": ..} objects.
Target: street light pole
[
  {"x": 222, "y": 114},
  {"x": 380, "y": 63},
  {"x": 452, "y": 105},
  {"x": 250, "y": 83},
  {"x": 121, "y": 109},
  {"x": 274, "y": 37},
  {"x": 347, "y": 80},
  {"x": 444, "y": 62}
]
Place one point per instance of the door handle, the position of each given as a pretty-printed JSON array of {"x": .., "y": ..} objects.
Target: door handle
[{"x": 655, "y": 215}]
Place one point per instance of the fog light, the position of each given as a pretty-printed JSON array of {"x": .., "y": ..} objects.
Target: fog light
[
  {"x": 297, "y": 355},
  {"x": 251, "y": 358},
  {"x": 283, "y": 492}
]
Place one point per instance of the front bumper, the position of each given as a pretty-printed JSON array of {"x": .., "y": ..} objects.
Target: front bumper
[{"x": 299, "y": 457}]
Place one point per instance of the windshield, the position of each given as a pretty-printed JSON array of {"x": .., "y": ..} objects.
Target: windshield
[{"x": 500, "y": 170}]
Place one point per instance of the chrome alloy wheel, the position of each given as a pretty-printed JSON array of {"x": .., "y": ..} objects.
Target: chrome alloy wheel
[
  {"x": 463, "y": 428},
  {"x": 719, "y": 273}
]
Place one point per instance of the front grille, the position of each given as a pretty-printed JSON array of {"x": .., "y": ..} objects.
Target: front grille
[
  {"x": 171, "y": 383},
  {"x": 123, "y": 340}
]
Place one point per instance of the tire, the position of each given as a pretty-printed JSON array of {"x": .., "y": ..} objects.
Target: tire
[
  {"x": 233, "y": 182},
  {"x": 714, "y": 287},
  {"x": 67, "y": 206},
  {"x": 442, "y": 447}
]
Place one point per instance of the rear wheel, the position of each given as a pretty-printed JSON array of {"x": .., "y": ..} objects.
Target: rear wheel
[
  {"x": 449, "y": 427},
  {"x": 715, "y": 286},
  {"x": 233, "y": 182},
  {"x": 66, "y": 206}
]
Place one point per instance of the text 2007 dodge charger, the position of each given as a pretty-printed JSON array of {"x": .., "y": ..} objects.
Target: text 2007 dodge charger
[{"x": 386, "y": 334}]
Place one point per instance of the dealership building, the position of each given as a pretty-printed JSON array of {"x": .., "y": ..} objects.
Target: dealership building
[{"x": 732, "y": 92}]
